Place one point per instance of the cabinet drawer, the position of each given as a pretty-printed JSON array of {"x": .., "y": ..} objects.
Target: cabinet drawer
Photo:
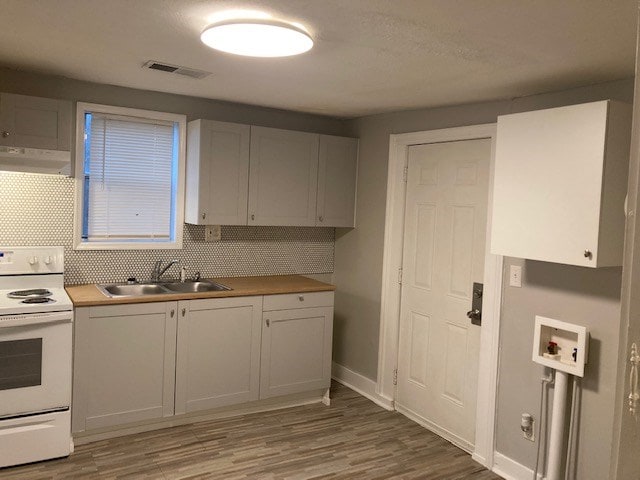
[{"x": 297, "y": 300}]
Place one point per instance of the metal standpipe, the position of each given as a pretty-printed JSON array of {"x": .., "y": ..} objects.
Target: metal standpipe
[{"x": 556, "y": 445}]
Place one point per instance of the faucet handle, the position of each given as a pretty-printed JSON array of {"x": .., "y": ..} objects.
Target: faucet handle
[{"x": 196, "y": 277}]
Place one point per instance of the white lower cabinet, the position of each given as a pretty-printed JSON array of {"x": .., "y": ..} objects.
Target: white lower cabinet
[
  {"x": 218, "y": 353},
  {"x": 296, "y": 344},
  {"x": 142, "y": 362},
  {"x": 124, "y": 364}
]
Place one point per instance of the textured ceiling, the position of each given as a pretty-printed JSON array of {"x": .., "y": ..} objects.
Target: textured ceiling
[{"x": 370, "y": 56}]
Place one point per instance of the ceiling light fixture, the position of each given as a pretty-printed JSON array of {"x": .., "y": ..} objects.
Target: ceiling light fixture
[{"x": 257, "y": 38}]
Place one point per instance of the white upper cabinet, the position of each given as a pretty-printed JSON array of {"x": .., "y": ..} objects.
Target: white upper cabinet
[
  {"x": 337, "y": 172},
  {"x": 560, "y": 184},
  {"x": 245, "y": 175},
  {"x": 35, "y": 122},
  {"x": 283, "y": 178},
  {"x": 217, "y": 173}
]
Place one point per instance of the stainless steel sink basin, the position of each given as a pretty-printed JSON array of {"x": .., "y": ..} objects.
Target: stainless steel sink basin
[
  {"x": 144, "y": 289},
  {"x": 135, "y": 290},
  {"x": 194, "y": 287}
]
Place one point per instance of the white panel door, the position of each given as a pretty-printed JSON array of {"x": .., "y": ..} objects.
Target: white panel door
[
  {"x": 218, "y": 353},
  {"x": 283, "y": 177},
  {"x": 35, "y": 122},
  {"x": 337, "y": 172},
  {"x": 444, "y": 248}
]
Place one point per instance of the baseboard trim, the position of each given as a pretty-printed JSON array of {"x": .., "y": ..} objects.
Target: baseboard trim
[
  {"x": 509, "y": 469},
  {"x": 359, "y": 383},
  {"x": 441, "y": 432}
]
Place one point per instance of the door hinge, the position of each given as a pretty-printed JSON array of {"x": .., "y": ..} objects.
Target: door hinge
[
  {"x": 405, "y": 173},
  {"x": 400, "y": 275},
  {"x": 395, "y": 376}
]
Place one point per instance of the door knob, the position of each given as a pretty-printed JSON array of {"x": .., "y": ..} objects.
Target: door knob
[{"x": 474, "y": 314}]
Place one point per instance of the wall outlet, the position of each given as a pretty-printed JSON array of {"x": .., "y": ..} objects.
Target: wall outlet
[
  {"x": 212, "y": 233},
  {"x": 531, "y": 434},
  {"x": 515, "y": 276}
]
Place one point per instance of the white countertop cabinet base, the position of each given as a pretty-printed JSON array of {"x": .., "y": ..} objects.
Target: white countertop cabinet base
[
  {"x": 124, "y": 364},
  {"x": 560, "y": 184},
  {"x": 131, "y": 361},
  {"x": 218, "y": 353},
  {"x": 296, "y": 351}
]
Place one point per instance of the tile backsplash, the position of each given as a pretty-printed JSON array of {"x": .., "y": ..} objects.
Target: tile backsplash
[{"x": 38, "y": 210}]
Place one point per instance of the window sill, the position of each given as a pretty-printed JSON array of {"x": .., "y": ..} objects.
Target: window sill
[{"x": 128, "y": 246}]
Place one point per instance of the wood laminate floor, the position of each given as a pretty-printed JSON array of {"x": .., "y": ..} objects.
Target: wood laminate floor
[{"x": 351, "y": 439}]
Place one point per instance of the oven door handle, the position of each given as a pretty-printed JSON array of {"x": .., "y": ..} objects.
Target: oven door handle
[{"x": 35, "y": 319}]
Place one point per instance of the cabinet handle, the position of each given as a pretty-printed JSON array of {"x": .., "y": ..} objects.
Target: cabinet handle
[
  {"x": 173, "y": 312},
  {"x": 253, "y": 217},
  {"x": 204, "y": 215},
  {"x": 301, "y": 298},
  {"x": 184, "y": 312},
  {"x": 268, "y": 322},
  {"x": 320, "y": 218},
  {"x": 5, "y": 134},
  {"x": 587, "y": 254}
]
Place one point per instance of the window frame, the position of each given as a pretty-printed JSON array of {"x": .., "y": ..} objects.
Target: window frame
[{"x": 178, "y": 226}]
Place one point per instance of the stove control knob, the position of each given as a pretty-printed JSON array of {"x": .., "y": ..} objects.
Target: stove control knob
[
  {"x": 33, "y": 260},
  {"x": 48, "y": 260}
]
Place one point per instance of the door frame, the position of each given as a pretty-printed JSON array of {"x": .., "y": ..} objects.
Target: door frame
[{"x": 391, "y": 289}]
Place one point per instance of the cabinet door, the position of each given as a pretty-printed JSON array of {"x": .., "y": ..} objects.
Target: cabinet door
[
  {"x": 124, "y": 364},
  {"x": 296, "y": 351},
  {"x": 35, "y": 122},
  {"x": 218, "y": 358},
  {"x": 217, "y": 173},
  {"x": 283, "y": 177},
  {"x": 337, "y": 173},
  {"x": 550, "y": 176}
]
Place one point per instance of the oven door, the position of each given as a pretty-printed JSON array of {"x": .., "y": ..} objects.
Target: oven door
[{"x": 35, "y": 363}]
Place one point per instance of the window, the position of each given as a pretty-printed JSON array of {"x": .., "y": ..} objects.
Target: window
[{"x": 130, "y": 178}]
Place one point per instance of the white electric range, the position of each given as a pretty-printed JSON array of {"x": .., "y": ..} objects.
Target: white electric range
[{"x": 36, "y": 317}]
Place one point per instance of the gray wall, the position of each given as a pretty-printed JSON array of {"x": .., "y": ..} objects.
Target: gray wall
[
  {"x": 38, "y": 209},
  {"x": 27, "y": 83},
  {"x": 573, "y": 294}
]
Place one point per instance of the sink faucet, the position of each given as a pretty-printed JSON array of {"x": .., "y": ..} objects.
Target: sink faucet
[{"x": 158, "y": 269}]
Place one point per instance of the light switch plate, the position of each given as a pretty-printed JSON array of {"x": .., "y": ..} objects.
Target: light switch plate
[{"x": 515, "y": 276}]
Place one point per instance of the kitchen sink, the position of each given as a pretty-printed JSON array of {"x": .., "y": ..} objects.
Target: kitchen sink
[
  {"x": 144, "y": 289},
  {"x": 135, "y": 290},
  {"x": 194, "y": 287}
]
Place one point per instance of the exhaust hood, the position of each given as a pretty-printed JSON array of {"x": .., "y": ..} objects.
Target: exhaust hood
[{"x": 35, "y": 160}]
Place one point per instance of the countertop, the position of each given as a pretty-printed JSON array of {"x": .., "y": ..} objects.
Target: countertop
[{"x": 89, "y": 295}]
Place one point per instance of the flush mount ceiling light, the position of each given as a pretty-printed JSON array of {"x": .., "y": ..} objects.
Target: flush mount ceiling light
[{"x": 257, "y": 38}]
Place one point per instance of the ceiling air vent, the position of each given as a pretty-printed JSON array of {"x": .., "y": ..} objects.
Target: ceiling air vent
[{"x": 165, "y": 67}]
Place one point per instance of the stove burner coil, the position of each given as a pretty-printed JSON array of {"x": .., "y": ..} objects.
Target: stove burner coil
[
  {"x": 38, "y": 300},
  {"x": 32, "y": 293}
]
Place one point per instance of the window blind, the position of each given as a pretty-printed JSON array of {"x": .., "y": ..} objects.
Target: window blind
[{"x": 129, "y": 179}]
